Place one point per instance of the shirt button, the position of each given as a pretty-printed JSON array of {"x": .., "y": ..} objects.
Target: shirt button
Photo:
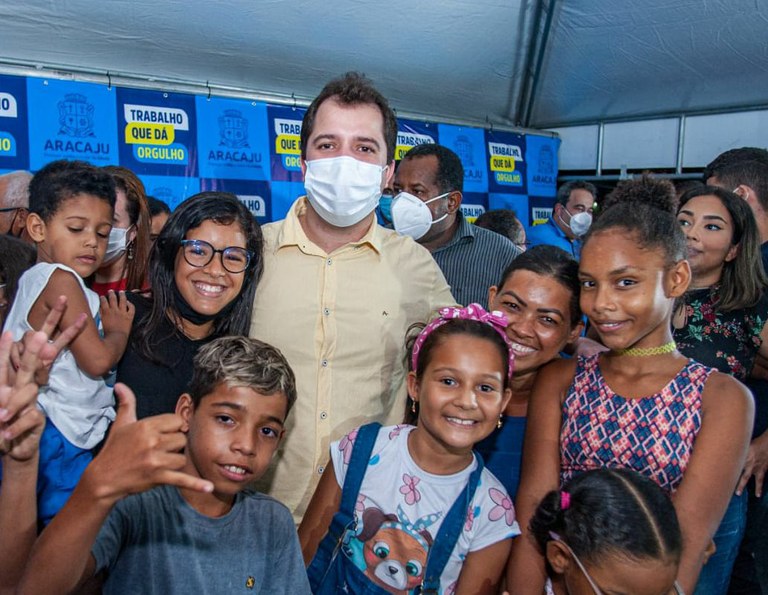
[
  {"x": 323, "y": 415},
  {"x": 327, "y": 311},
  {"x": 324, "y": 363},
  {"x": 329, "y": 261},
  {"x": 320, "y": 470}
]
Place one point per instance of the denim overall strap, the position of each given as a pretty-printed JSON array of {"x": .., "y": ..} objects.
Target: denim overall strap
[
  {"x": 324, "y": 564},
  {"x": 449, "y": 532},
  {"x": 358, "y": 463}
]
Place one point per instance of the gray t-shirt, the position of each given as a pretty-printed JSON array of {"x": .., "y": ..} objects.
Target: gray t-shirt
[{"x": 155, "y": 542}]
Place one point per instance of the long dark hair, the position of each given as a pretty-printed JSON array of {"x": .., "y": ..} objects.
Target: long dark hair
[
  {"x": 743, "y": 279},
  {"x": 222, "y": 208}
]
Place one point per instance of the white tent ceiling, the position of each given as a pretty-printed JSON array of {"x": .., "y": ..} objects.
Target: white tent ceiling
[{"x": 512, "y": 62}]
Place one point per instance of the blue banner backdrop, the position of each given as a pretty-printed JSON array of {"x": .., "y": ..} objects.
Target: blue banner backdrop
[
  {"x": 14, "y": 140},
  {"x": 180, "y": 144}
]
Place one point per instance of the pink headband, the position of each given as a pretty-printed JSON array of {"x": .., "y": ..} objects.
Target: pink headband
[{"x": 496, "y": 320}]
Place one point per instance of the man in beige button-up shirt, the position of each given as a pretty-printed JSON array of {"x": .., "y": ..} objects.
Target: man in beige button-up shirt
[{"x": 339, "y": 291}]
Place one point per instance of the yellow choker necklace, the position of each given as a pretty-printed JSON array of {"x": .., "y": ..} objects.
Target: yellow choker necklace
[{"x": 646, "y": 351}]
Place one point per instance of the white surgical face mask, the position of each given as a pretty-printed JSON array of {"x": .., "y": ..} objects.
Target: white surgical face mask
[
  {"x": 580, "y": 223},
  {"x": 411, "y": 215},
  {"x": 116, "y": 244},
  {"x": 343, "y": 190}
]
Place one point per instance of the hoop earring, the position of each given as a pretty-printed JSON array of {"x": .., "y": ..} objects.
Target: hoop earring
[
  {"x": 499, "y": 423},
  {"x": 131, "y": 248}
]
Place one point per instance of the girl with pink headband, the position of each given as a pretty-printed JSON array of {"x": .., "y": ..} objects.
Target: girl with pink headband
[{"x": 407, "y": 509}]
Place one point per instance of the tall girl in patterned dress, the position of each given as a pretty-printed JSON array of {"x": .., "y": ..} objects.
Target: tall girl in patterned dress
[
  {"x": 722, "y": 323},
  {"x": 641, "y": 405},
  {"x": 408, "y": 509}
]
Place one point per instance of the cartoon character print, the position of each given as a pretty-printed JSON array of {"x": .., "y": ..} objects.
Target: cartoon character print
[{"x": 392, "y": 552}]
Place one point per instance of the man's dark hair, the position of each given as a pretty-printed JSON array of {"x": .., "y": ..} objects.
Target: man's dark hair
[
  {"x": 450, "y": 172},
  {"x": 61, "y": 180},
  {"x": 746, "y": 165},
  {"x": 504, "y": 222},
  {"x": 564, "y": 192},
  {"x": 352, "y": 88},
  {"x": 157, "y": 206}
]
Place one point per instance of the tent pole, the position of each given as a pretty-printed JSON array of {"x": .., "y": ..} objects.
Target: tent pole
[{"x": 680, "y": 144}]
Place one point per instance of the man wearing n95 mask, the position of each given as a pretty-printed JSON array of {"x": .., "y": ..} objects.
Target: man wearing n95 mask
[
  {"x": 428, "y": 191},
  {"x": 339, "y": 291},
  {"x": 570, "y": 220}
]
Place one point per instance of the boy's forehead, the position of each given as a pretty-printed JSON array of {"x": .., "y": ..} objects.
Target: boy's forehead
[
  {"x": 84, "y": 205},
  {"x": 248, "y": 399}
]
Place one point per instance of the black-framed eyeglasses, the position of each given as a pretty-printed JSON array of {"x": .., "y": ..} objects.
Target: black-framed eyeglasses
[
  {"x": 9, "y": 209},
  {"x": 198, "y": 253}
]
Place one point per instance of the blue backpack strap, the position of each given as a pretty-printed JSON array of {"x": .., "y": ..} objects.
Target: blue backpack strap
[
  {"x": 358, "y": 463},
  {"x": 449, "y": 532}
]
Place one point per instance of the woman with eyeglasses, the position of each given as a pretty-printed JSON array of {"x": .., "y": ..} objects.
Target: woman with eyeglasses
[{"x": 203, "y": 270}]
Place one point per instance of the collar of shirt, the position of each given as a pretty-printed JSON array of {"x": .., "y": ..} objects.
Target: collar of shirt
[
  {"x": 465, "y": 232},
  {"x": 557, "y": 229},
  {"x": 292, "y": 233}
]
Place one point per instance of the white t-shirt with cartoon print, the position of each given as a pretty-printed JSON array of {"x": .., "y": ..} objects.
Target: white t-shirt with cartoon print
[{"x": 400, "y": 508}]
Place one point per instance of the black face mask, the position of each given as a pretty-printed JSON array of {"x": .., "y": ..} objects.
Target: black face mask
[{"x": 187, "y": 313}]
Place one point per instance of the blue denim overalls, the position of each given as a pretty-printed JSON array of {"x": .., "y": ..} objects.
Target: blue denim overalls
[{"x": 331, "y": 573}]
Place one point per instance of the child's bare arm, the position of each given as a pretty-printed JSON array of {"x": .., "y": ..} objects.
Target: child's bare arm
[
  {"x": 482, "y": 570},
  {"x": 48, "y": 352},
  {"x": 713, "y": 470},
  {"x": 136, "y": 457},
  {"x": 526, "y": 572},
  {"x": 94, "y": 355},
  {"x": 324, "y": 504}
]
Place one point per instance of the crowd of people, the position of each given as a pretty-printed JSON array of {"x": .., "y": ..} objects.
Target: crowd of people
[{"x": 375, "y": 395}]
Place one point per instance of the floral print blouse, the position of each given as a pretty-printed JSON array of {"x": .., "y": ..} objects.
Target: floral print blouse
[{"x": 728, "y": 341}]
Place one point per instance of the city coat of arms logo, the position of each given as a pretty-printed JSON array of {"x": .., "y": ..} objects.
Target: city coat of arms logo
[
  {"x": 233, "y": 129},
  {"x": 76, "y": 116}
]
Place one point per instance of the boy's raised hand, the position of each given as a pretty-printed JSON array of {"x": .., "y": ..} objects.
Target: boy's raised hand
[
  {"x": 116, "y": 312},
  {"x": 140, "y": 455}
]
